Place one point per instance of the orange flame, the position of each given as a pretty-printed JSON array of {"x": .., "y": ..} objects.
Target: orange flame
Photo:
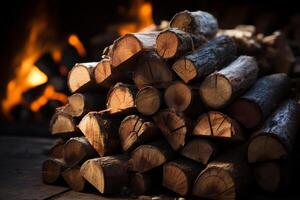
[
  {"x": 49, "y": 93},
  {"x": 142, "y": 11},
  {"x": 77, "y": 44}
]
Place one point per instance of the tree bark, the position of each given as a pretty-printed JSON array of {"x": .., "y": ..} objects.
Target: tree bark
[
  {"x": 205, "y": 60},
  {"x": 256, "y": 104},
  {"x": 148, "y": 100}
]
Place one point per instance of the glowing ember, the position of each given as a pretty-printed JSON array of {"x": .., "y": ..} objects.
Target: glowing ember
[
  {"x": 142, "y": 11},
  {"x": 77, "y": 44}
]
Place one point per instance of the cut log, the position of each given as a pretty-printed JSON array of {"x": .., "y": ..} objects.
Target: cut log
[
  {"x": 62, "y": 123},
  {"x": 77, "y": 150},
  {"x": 141, "y": 183},
  {"x": 135, "y": 130},
  {"x": 74, "y": 179},
  {"x": 276, "y": 137},
  {"x": 152, "y": 70},
  {"x": 103, "y": 71},
  {"x": 173, "y": 126},
  {"x": 57, "y": 150},
  {"x": 174, "y": 42},
  {"x": 196, "y": 23},
  {"x": 182, "y": 98},
  {"x": 218, "y": 125},
  {"x": 81, "y": 77},
  {"x": 107, "y": 174},
  {"x": 81, "y": 103},
  {"x": 102, "y": 132},
  {"x": 179, "y": 175},
  {"x": 149, "y": 156},
  {"x": 227, "y": 177},
  {"x": 120, "y": 98},
  {"x": 199, "y": 150},
  {"x": 219, "y": 88},
  {"x": 148, "y": 100},
  {"x": 131, "y": 44},
  {"x": 210, "y": 57},
  {"x": 256, "y": 104},
  {"x": 51, "y": 170}
]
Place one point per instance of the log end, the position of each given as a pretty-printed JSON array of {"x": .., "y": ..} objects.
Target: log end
[
  {"x": 185, "y": 69},
  {"x": 167, "y": 44},
  {"x": 78, "y": 77},
  {"x": 103, "y": 70},
  {"x": 51, "y": 170},
  {"x": 74, "y": 152},
  {"x": 147, "y": 100},
  {"x": 267, "y": 175},
  {"x": 74, "y": 179},
  {"x": 62, "y": 123}
]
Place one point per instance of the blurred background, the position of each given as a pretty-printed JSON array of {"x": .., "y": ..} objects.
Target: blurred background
[{"x": 42, "y": 39}]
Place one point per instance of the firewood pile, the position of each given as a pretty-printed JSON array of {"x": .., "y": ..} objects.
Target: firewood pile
[{"x": 199, "y": 111}]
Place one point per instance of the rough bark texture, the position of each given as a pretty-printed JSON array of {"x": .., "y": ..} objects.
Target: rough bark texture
[
  {"x": 219, "y": 88},
  {"x": 275, "y": 139},
  {"x": 205, "y": 60},
  {"x": 256, "y": 104},
  {"x": 148, "y": 100}
]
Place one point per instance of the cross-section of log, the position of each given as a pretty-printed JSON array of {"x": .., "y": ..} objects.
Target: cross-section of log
[
  {"x": 174, "y": 42},
  {"x": 120, "y": 98},
  {"x": 148, "y": 100},
  {"x": 81, "y": 103},
  {"x": 218, "y": 125},
  {"x": 107, "y": 174},
  {"x": 149, "y": 156},
  {"x": 77, "y": 150},
  {"x": 131, "y": 44},
  {"x": 196, "y": 23},
  {"x": 210, "y": 57},
  {"x": 57, "y": 150},
  {"x": 270, "y": 176},
  {"x": 141, "y": 183},
  {"x": 219, "y": 88},
  {"x": 51, "y": 170},
  {"x": 199, "y": 150},
  {"x": 135, "y": 130},
  {"x": 173, "y": 126},
  {"x": 276, "y": 137},
  {"x": 103, "y": 71},
  {"x": 102, "y": 132},
  {"x": 227, "y": 177},
  {"x": 256, "y": 104},
  {"x": 62, "y": 123},
  {"x": 81, "y": 77},
  {"x": 74, "y": 179},
  {"x": 152, "y": 70},
  {"x": 180, "y": 174}
]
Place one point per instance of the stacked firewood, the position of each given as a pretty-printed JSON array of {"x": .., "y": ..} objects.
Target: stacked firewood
[{"x": 199, "y": 111}]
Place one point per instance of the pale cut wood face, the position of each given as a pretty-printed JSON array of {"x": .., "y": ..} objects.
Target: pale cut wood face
[
  {"x": 62, "y": 123},
  {"x": 182, "y": 21},
  {"x": 103, "y": 70},
  {"x": 147, "y": 100},
  {"x": 78, "y": 77},
  {"x": 167, "y": 44},
  {"x": 76, "y": 105},
  {"x": 120, "y": 99},
  {"x": 175, "y": 179},
  {"x": 185, "y": 69}
]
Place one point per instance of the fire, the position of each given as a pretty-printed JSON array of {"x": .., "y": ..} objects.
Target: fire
[
  {"x": 49, "y": 93},
  {"x": 142, "y": 11},
  {"x": 77, "y": 44}
]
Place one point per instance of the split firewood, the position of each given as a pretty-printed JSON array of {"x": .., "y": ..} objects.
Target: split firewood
[
  {"x": 256, "y": 104},
  {"x": 81, "y": 103},
  {"x": 149, "y": 156},
  {"x": 275, "y": 139},
  {"x": 199, "y": 150},
  {"x": 219, "y": 88},
  {"x": 210, "y": 57},
  {"x": 151, "y": 70},
  {"x": 81, "y": 77},
  {"x": 107, "y": 174},
  {"x": 130, "y": 45},
  {"x": 62, "y": 123},
  {"x": 173, "y": 126},
  {"x": 218, "y": 125},
  {"x": 141, "y": 183},
  {"x": 227, "y": 177},
  {"x": 173, "y": 43},
  {"x": 120, "y": 98},
  {"x": 135, "y": 130},
  {"x": 182, "y": 98},
  {"x": 271, "y": 175},
  {"x": 74, "y": 179},
  {"x": 102, "y": 132},
  {"x": 51, "y": 170},
  {"x": 77, "y": 150},
  {"x": 180, "y": 174},
  {"x": 196, "y": 23},
  {"x": 148, "y": 100},
  {"x": 57, "y": 150}
]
